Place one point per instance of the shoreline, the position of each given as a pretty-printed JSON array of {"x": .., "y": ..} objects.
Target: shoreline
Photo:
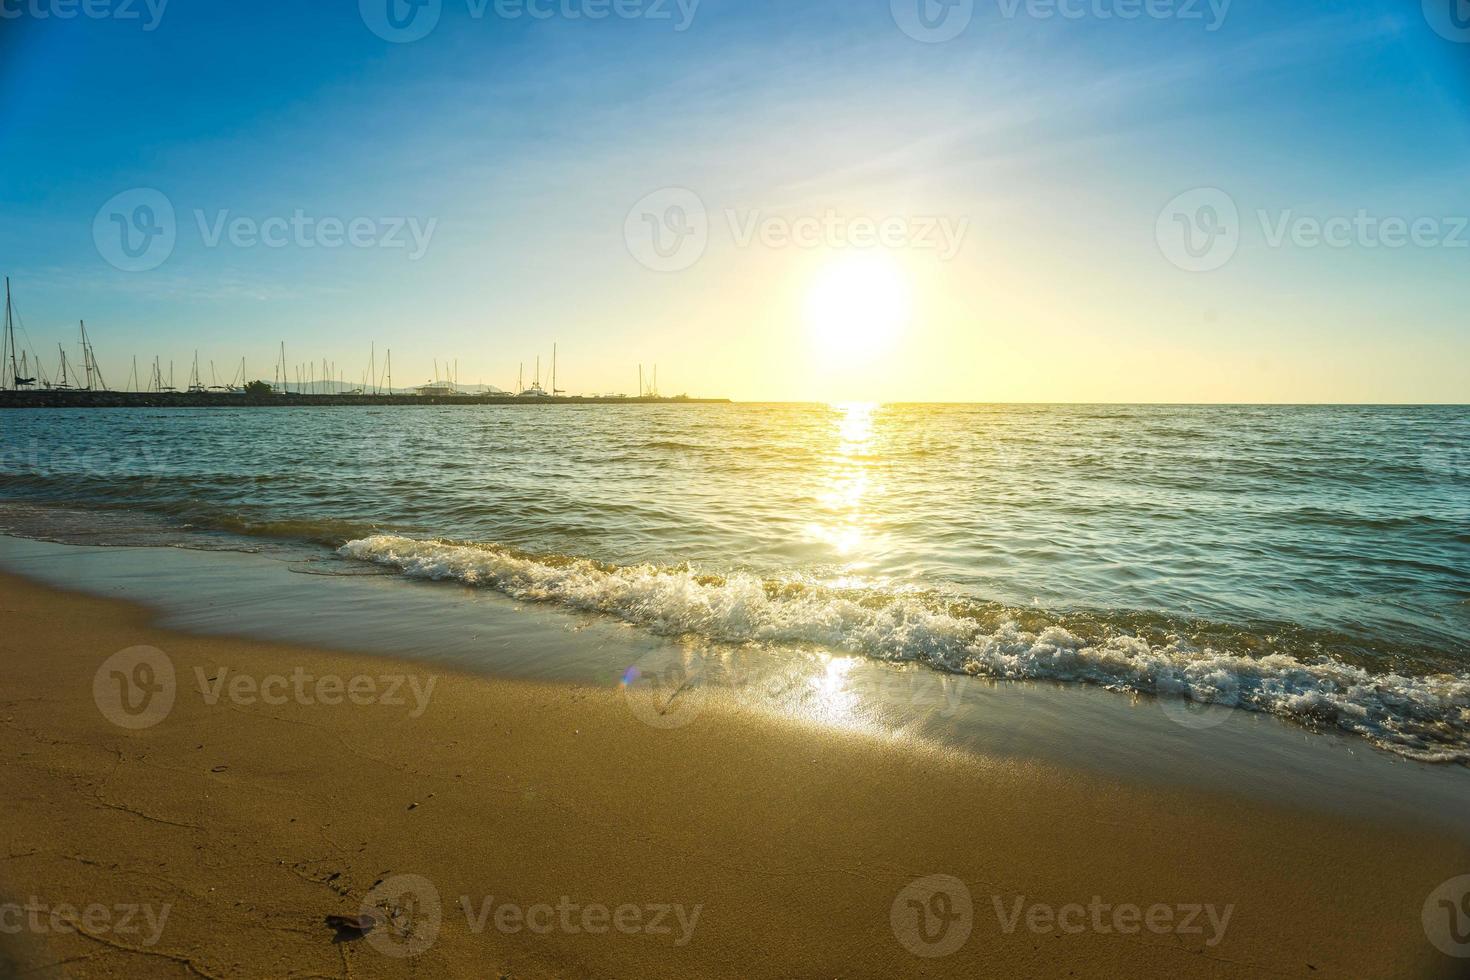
[
  {"x": 797, "y": 842},
  {"x": 308, "y": 598}
]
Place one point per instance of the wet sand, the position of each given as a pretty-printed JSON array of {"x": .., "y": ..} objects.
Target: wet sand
[{"x": 585, "y": 839}]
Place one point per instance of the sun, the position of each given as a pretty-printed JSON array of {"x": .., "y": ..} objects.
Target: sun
[{"x": 857, "y": 307}]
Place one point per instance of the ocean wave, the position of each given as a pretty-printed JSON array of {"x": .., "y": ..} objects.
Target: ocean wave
[{"x": 1425, "y": 717}]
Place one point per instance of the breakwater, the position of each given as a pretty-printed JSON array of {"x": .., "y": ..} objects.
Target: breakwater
[{"x": 193, "y": 399}]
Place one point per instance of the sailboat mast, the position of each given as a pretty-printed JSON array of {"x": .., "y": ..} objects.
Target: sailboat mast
[
  {"x": 86, "y": 357},
  {"x": 89, "y": 361},
  {"x": 10, "y": 335}
]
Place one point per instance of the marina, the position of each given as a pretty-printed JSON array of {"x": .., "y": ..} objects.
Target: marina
[
  {"x": 27, "y": 385},
  {"x": 82, "y": 398}
]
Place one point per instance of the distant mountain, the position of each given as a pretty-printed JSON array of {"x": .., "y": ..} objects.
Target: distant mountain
[{"x": 337, "y": 388}]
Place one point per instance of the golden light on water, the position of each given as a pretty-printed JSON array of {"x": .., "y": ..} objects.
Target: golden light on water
[
  {"x": 846, "y": 482},
  {"x": 831, "y": 698}
]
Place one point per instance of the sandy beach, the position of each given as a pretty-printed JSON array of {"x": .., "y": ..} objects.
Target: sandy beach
[
  {"x": 563, "y": 836},
  {"x": 807, "y": 491}
]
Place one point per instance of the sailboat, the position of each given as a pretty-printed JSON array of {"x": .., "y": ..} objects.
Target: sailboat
[
  {"x": 61, "y": 384},
  {"x": 196, "y": 384},
  {"x": 15, "y": 372},
  {"x": 89, "y": 361},
  {"x": 536, "y": 391}
]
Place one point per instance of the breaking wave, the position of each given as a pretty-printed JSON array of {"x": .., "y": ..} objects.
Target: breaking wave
[{"x": 1421, "y": 716}]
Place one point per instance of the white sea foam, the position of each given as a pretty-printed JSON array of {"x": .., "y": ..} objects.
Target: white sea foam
[{"x": 1423, "y": 717}]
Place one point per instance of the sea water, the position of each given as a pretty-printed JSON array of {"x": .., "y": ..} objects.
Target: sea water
[{"x": 1308, "y": 562}]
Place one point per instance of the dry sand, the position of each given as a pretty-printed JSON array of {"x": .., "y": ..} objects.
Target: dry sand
[{"x": 250, "y": 822}]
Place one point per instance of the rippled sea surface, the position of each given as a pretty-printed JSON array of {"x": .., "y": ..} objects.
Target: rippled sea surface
[{"x": 1312, "y": 562}]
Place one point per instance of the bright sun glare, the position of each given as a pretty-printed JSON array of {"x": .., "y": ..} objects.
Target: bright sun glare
[{"x": 857, "y": 307}]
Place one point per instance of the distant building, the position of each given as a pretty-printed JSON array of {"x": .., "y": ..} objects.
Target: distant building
[{"x": 437, "y": 390}]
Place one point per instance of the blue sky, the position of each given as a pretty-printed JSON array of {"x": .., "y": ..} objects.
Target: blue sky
[{"x": 523, "y": 143}]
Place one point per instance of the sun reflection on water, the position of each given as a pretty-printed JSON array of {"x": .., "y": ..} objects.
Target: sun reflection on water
[
  {"x": 842, "y": 522},
  {"x": 830, "y": 698}
]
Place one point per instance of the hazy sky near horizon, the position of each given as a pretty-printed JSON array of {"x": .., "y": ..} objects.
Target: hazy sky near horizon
[{"x": 1075, "y": 205}]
